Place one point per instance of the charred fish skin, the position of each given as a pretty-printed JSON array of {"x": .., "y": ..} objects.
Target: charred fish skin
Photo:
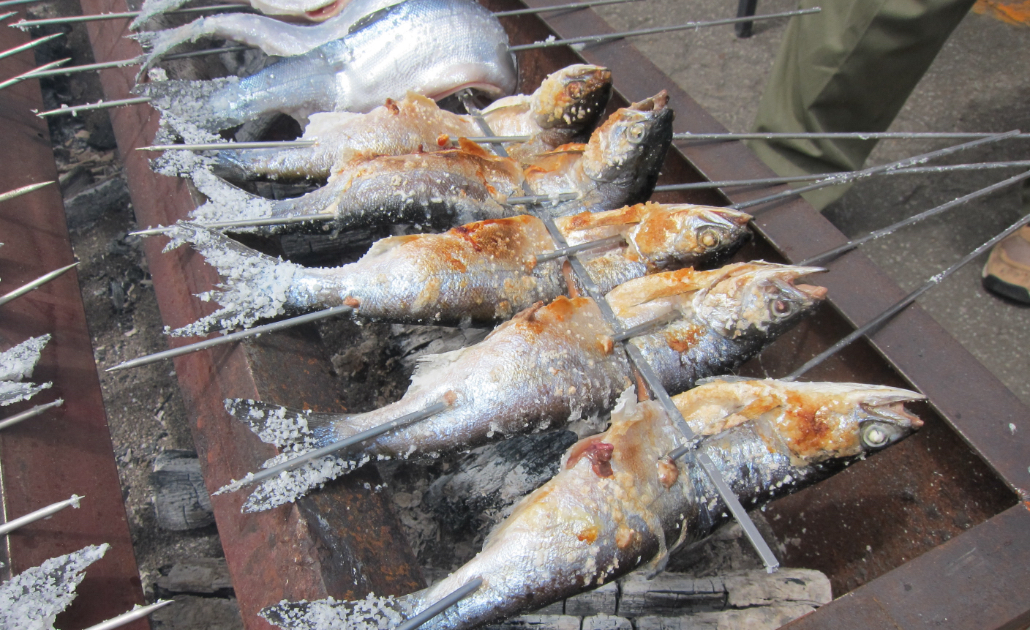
[
  {"x": 495, "y": 389},
  {"x": 482, "y": 272},
  {"x": 618, "y": 166},
  {"x": 619, "y": 503},
  {"x": 577, "y": 95},
  {"x": 432, "y": 47}
]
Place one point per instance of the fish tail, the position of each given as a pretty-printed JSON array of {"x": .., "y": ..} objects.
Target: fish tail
[
  {"x": 285, "y": 427},
  {"x": 192, "y": 106},
  {"x": 370, "y": 612},
  {"x": 256, "y": 287}
]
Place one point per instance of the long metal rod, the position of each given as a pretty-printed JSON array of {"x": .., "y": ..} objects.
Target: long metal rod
[
  {"x": 30, "y": 413},
  {"x": 839, "y": 135},
  {"x": 99, "y": 105},
  {"x": 572, "y": 6},
  {"x": 35, "y": 284},
  {"x": 733, "y": 183},
  {"x": 39, "y": 514},
  {"x": 236, "y": 336},
  {"x": 904, "y": 302},
  {"x": 14, "y": 3},
  {"x": 24, "y": 190},
  {"x": 30, "y": 45},
  {"x": 442, "y": 605},
  {"x": 7, "y": 15},
  {"x": 836, "y": 251},
  {"x": 74, "y": 19},
  {"x": 242, "y": 223},
  {"x": 596, "y": 39},
  {"x": 572, "y": 249},
  {"x": 231, "y": 146},
  {"x": 41, "y": 71},
  {"x": 33, "y": 74},
  {"x": 368, "y": 434},
  {"x": 850, "y": 176},
  {"x": 132, "y": 615}
]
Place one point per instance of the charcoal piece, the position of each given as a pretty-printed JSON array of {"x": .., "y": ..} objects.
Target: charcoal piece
[
  {"x": 181, "y": 501},
  {"x": 96, "y": 202},
  {"x": 603, "y": 600},
  {"x": 199, "y": 576}
]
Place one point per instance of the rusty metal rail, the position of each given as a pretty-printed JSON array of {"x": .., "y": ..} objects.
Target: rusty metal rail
[
  {"x": 66, "y": 449},
  {"x": 890, "y": 528}
]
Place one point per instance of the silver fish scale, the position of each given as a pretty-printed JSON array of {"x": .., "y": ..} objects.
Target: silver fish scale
[{"x": 432, "y": 47}]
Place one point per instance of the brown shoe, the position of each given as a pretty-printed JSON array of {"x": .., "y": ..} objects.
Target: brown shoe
[{"x": 1007, "y": 271}]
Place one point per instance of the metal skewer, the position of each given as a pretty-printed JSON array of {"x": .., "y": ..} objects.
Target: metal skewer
[
  {"x": 836, "y": 251},
  {"x": 297, "y": 144},
  {"x": 597, "y": 39},
  {"x": 39, "y": 514},
  {"x": 572, "y": 6},
  {"x": 24, "y": 190},
  {"x": 14, "y": 3},
  {"x": 572, "y": 249},
  {"x": 99, "y": 105},
  {"x": 904, "y": 302},
  {"x": 838, "y": 135},
  {"x": 377, "y": 430},
  {"x": 31, "y": 413},
  {"x": 41, "y": 71},
  {"x": 74, "y": 19},
  {"x": 132, "y": 615},
  {"x": 807, "y": 178},
  {"x": 850, "y": 176},
  {"x": 35, "y": 284},
  {"x": 459, "y": 594},
  {"x": 29, "y": 45},
  {"x": 236, "y": 336},
  {"x": 7, "y": 15},
  {"x": 32, "y": 74}
]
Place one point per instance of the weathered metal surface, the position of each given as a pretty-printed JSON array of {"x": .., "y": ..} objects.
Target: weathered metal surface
[
  {"x": 67, "y": 449},
  {"x": 291, "y": 552},
  {"x": 867, "y": 522}
]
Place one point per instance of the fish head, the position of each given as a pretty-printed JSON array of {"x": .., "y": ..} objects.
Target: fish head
[
  {"x": 838, "y": 421},
  {"x": 573, "y": 97},
  {"x": 688, "y": 234},
  {"x": 630, "y": 146},
  {"x": 757, "y": 299}
]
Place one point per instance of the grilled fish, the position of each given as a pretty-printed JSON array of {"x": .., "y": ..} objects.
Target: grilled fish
[
  {"x": 546, "y": 366},
  {"x": 620, "y": 503},
  {"x": 272, "y": 36},
  {"x": 618, "y": 166},
  {"x": 431, "y": 47},
  {"x": 481, "y": 272},
  {"x": 568, "y": 103}
]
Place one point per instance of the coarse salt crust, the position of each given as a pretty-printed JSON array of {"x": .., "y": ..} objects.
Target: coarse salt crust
[{"x": 32, "y": 599}]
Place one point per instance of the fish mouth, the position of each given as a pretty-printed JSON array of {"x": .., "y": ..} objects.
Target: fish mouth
[
  {"x": 656, "y": 104},
  {"x": 895, "y": 413},
  {"x": 326, "y": 11},
  {"x": 733, "y": 217}
]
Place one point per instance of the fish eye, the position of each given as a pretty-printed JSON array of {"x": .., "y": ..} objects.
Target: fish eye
[
  {"x": 636, "y": 132},
  {"x": 781, "y": 308},
  {"x": 874, "y": 436},
  {"x": 709, "y": 237}
]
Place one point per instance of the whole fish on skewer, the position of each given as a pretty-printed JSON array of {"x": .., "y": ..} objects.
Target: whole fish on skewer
[
  {"x": 618, "y": 166},
  {"x": 431, "y": 47},
  {"x": 565, "y": 107},
  {"x": 272, "y": 36},
  {"x": 619, "y": 503},
  {"x": 547, "y": 366},
  {"x": 481, "y": 272}
]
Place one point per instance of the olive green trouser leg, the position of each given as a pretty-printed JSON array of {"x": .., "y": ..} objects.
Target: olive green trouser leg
[{"x": 848, "y": 68}]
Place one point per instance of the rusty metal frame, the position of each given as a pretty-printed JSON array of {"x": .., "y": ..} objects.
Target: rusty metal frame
[
  {"x": 67, "y": 449},
  {"x": 976, "y": 579}
]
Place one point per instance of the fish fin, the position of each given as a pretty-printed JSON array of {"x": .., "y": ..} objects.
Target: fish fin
[
  {"x": 226, "y": 202},
  {"x": 186, "y": 106},
  {"x": 290, "y": 485},
  {"x": 285, "y": 427},
  {"x": 474, "y": 148},
  {"x": 371, "y": 611},
  {"x": 43, "y": 592},
  {"x": 256, "y": 285},
  {"x": 151, "y": 8}
]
